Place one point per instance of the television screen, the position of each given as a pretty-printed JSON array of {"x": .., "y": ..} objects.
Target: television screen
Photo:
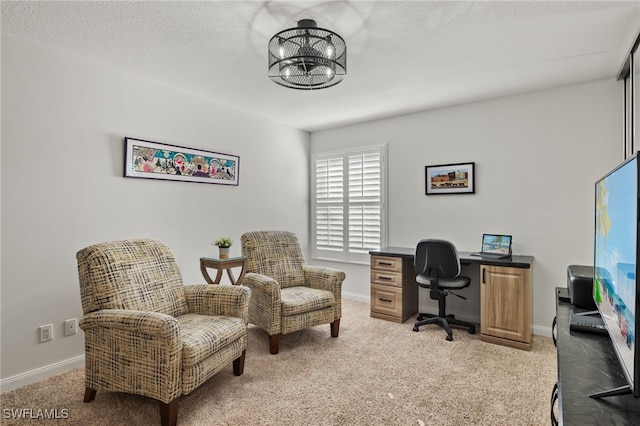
[{"x": 615, "y": 262}]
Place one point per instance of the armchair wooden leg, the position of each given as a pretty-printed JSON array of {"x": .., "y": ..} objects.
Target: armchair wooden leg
[
  {"x": 169, "y": 412},
  {"x": 274, "y": 343},
  {"x": 89, "y": 394},
  {"x": 238, "y": 364},
  {"x": 335, "y": 328}
]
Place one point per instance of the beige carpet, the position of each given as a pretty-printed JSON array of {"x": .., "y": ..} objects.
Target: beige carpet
[{"x": 375, "y": 373}]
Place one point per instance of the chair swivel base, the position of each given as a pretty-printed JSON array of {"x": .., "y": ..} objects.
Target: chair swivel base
[{"x": 444, "y": 322}]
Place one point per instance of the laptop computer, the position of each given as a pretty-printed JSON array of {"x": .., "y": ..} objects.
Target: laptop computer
[{"x": 495, "y": 246}]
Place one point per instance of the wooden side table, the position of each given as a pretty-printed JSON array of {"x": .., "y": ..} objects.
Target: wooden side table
[{"x": 221, "y": 265}]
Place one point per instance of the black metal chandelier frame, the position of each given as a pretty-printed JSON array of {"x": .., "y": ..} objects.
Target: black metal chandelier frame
[{"x": 307, "y": 57}]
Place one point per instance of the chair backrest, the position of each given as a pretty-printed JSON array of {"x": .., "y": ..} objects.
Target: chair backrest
[
  {"x": 139, "y": 274},
  {"x": 276, "y": 254},
  {"x": 437, "y": 256}
]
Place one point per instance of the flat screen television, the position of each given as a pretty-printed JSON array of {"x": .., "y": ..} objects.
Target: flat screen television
[{"x": 616, "y": 267}]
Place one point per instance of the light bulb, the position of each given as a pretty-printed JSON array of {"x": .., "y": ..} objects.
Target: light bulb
[
  {"x": 331, "y": 50},
  {"x": 281, "y": 48}
]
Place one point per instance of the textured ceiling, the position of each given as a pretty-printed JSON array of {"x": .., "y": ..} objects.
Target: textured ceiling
[{"x": 403, "y": 56}]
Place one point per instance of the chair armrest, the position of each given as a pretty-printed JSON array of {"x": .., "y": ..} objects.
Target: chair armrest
[
  {"x": 264, "y": 305},
  {"x": 150, "y": 323},
  {"x": 134, "y": 352},
  {"x": 324, "y": 278},
  {"x": 227, "y": 300},
  {"x": 262, "y": 284}
]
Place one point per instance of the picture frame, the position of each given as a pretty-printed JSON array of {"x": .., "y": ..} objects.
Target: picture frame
[
  {"x": 455, "y": 178},
  {"x": 154, "y": 160}
]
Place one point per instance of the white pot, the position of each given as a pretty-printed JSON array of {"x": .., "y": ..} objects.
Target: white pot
[{"x": 224, "y": 252}]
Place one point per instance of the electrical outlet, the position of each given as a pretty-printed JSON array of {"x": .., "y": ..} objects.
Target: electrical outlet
[
  {"x": 70, "y": 327},
  {"x": 46, "y": 333}
]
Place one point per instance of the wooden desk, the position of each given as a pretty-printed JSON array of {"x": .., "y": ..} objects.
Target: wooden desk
[
  {"x": 222, "y": 265},
  {"x": 587, "y": 363},
  {"x": 506, "y": 295}
]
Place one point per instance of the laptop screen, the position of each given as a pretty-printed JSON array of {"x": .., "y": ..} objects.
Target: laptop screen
[{"x": 499, "y": 244}]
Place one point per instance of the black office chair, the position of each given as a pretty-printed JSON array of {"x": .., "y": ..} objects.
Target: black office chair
[{"x": 438, "y": 268}]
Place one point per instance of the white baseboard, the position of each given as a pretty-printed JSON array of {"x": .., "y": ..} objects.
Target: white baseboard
[
  {"x": 41, "y": 373},
  {"x": 355, "y": 296},
  {"x": 541, "y": 331}
]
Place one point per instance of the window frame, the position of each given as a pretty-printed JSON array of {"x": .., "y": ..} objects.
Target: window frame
[
  {"x": 344, "y": 253},
  {"x": 631, "y": 93}
]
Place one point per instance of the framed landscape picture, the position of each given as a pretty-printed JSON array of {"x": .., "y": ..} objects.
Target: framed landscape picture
[
  {"x": 154, "y": 160},
  {"x": 457, "y": 178}
]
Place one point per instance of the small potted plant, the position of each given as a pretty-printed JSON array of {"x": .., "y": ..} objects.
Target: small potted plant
[{"x": 223, "y": 244}]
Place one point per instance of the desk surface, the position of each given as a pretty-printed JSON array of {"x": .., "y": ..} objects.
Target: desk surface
[
  {"x": 465, "y": 257},
  {"x": 587, "y": 364}
]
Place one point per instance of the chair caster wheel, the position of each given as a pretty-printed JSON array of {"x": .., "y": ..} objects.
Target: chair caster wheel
[
  {"x": 449, "y": 338},
  {"x": 415, "y": 328},
  {"x": 472, "y": 330},
  {"x": 420, "y": 318}
]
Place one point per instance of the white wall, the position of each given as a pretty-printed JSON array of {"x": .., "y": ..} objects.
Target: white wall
[
  {"x": 63, "y": 121},
  {"x": 537, "y": 157},
  {"x": 63, "y": 124}
]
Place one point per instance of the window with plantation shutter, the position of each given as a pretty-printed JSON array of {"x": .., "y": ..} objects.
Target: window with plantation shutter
[{"x": 348, "y": 204}]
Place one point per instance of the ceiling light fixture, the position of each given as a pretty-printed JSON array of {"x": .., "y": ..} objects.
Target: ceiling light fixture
[{"x": 307, "y": 57}]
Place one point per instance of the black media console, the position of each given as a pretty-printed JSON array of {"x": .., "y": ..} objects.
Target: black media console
[{"x": 587, "y": 364}]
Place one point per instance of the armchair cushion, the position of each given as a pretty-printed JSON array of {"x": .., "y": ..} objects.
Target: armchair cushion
[
  {"x": 204, "y": 335},
  {"x": 298, "y": 300}
]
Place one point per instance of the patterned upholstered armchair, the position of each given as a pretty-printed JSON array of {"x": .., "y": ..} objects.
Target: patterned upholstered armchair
[
  {"x": 286, "y": 295},
  {"x": 148, "y": 334}
]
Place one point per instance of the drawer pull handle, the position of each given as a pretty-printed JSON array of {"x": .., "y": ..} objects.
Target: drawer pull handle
[
  {"x": 382, "y": 277},
  {"x": 385, "y": 263},
  {"x": 386, "y": 300}
]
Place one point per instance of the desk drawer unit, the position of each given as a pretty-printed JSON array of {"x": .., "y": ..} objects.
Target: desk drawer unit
[{"x": 394, "y": 292}]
